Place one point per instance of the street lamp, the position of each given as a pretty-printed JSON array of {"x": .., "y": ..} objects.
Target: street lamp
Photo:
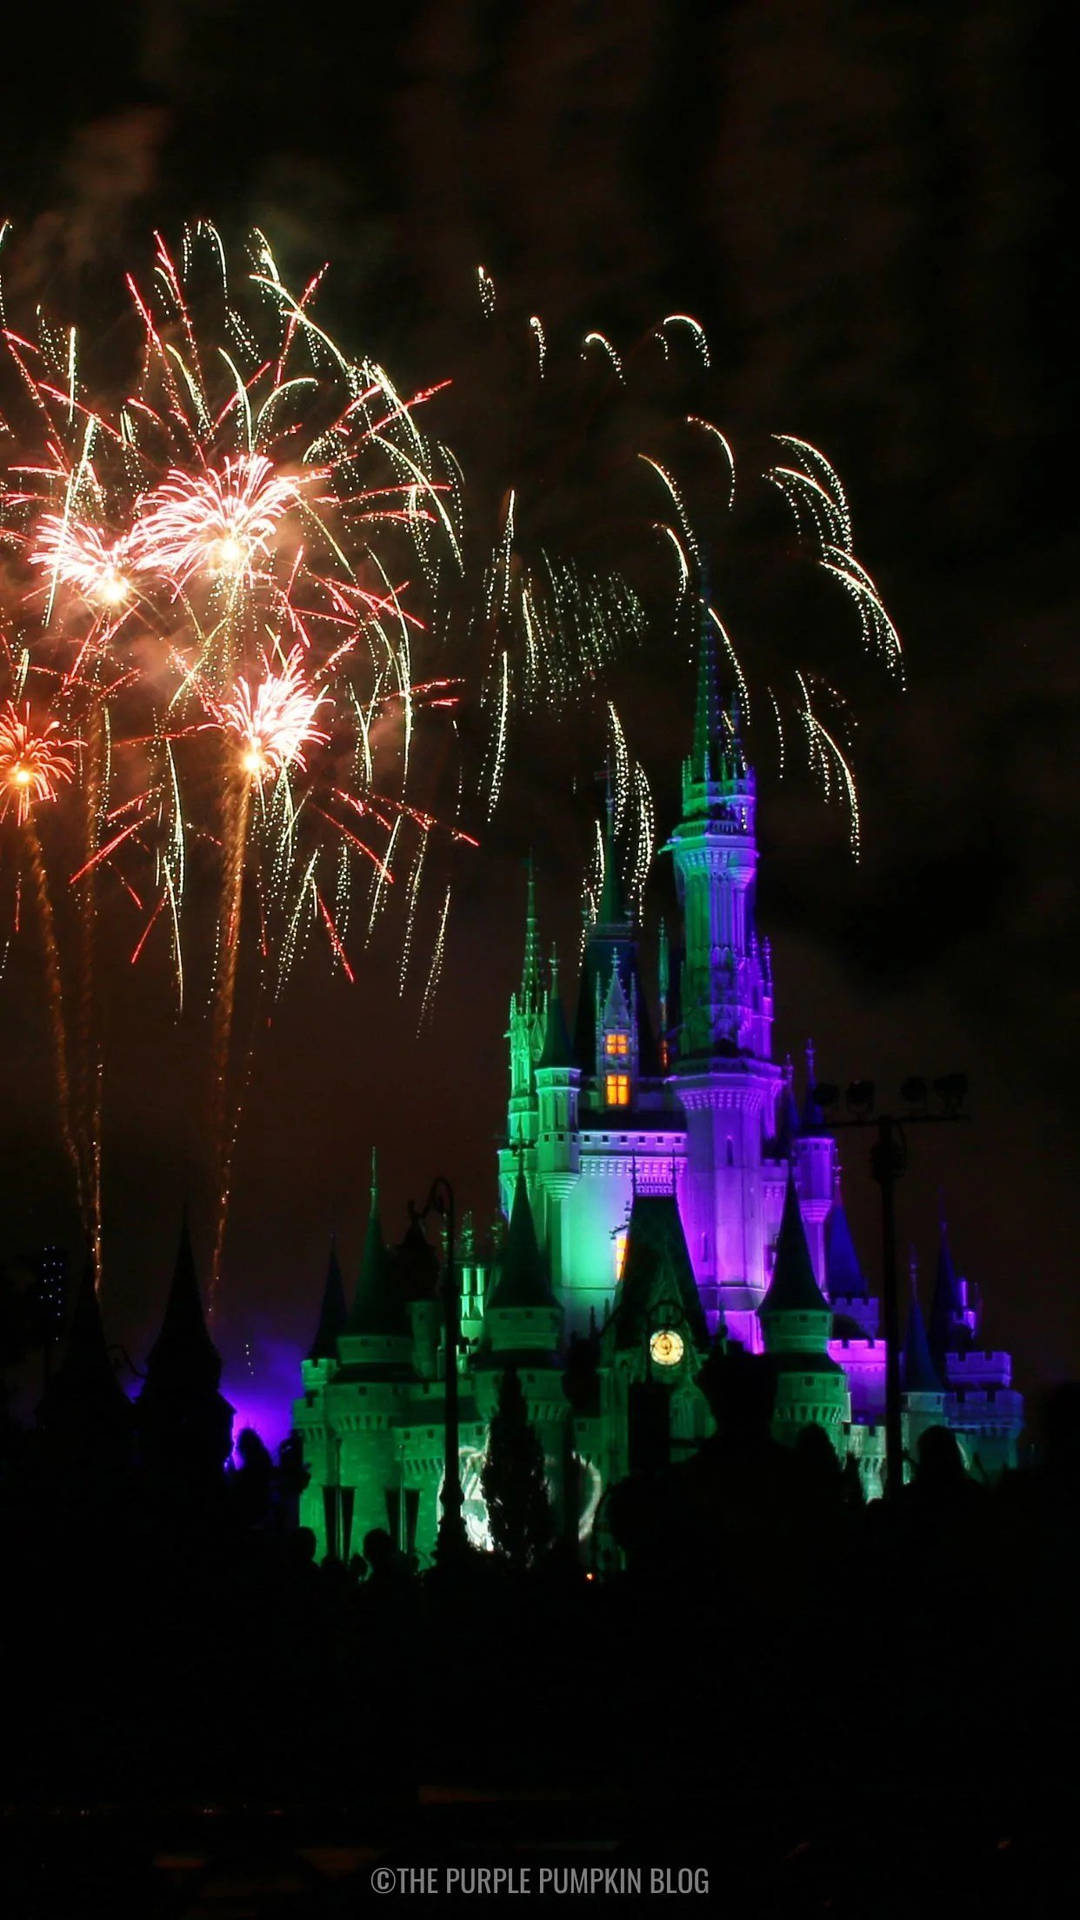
[
  {"x": 888, "y": 1158},
  {"x": 452, "y": 1541}
]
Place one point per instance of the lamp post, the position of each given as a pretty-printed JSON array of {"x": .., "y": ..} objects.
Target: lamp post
[
  {"x": 452, "y": 1541},
  {"x": 888, "y": 1158}
]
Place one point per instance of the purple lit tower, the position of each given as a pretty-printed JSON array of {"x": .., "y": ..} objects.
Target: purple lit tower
[{"x": 723, "y": 1076}]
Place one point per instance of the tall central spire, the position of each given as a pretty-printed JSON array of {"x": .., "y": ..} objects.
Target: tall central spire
[
  {"x": 708, "y": 719},
  {"x": 530, "y": 968}
]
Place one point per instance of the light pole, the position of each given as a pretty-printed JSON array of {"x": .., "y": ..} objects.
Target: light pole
[
  {"x": 452, "y": 1541},
  {"x": 888, "y": 1158}
]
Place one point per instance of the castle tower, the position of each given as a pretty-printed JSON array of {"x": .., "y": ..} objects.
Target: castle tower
[
  {"x": 723, "y": 1073},
  {"x": 184, "y": 1423},
  {"x": 310, "y": 1413},
  {"x": 952, "y": 1323},
  {"x": 332, "y": 1315},
  {"x": 523, "y": 1330},
  {"x": 525, "y": 1031},
  {"x": 814, "y": 1153},
  {"x": 924, "y": 1391},
  {"x": 811, "y": 1388},
  {"x": 367, "y": 1396},
  {"x": 558, "y": 1142},
  {"x": 653, "y": 1345}
]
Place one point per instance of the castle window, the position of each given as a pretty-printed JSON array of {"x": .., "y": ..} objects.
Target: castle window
[
  {"x": 730, "y": 1154},
  {"x": 620, "y": 1253},
  {"x": 617, "y": 1045},
  {"x": 617, "y": 1089}
]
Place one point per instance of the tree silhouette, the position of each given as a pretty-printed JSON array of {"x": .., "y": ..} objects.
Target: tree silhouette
[{"x": 514, "y": 1483}]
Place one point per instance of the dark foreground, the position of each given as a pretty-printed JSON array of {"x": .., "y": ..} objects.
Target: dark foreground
[{"x": 872, "y": 1855}]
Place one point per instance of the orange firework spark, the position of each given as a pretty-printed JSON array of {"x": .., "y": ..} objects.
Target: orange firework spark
[{"x": 33, "y": 763}]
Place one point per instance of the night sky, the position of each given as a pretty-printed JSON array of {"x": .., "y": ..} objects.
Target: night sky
[{"x": 866, "y": 206}]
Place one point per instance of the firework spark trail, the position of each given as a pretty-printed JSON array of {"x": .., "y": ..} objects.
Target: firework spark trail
[
  {"x": 55, "y": 1004},
  {"x": 437, "y": 957},
  {"x": 237, "y": 810},
  {"x": 90, "y": 1075}
]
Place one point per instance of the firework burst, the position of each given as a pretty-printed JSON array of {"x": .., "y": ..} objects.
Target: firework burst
[
  {"x": 214, "y": 583},
  {"x": 34, "y": 762}
]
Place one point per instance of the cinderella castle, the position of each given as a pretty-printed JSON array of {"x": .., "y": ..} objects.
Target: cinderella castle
[{"x": 661, "y": 1191}]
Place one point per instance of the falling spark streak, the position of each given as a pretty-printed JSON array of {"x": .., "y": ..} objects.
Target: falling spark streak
[
  {"x": 779, "y": 734},
  {"x": 382, "y": 877},
  {"x": 619, "y": 765},
  {"x": 410, "y": 920},
  {"x": 601, "y": 340},
  {"x": 55, "y": 1002},
  {"x": 537, "y": 326},
  {"x": 695, "y": 420},
  {"x": 335, "y": 942},
  {"x": 661, "y": 526},
  {"x": 744, "y": 691},
  {"x": 435, "y": 972},
  {"x": 487, "y": 291},
  {"x": 677, "y": 502},
  {"x": 494, "y": 779},
  {"x": 696, "y": 329}
]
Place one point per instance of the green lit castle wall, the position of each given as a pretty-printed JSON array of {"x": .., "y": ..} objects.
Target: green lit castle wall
[{"x": 661, "y": 1193}]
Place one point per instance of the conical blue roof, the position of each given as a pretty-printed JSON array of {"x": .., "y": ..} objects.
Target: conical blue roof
[
  {"x": 947, "y": 1302},
  {"x": 793, "y": 1288},
  {"x": 844, "y": 1277},
  {"x": 917, "y": 1368}
]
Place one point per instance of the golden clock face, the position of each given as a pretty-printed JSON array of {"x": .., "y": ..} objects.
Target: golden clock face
[{"x": 666, "y": 1347}]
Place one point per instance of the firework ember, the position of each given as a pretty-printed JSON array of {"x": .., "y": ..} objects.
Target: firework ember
[{"x": 33, "y": 762}]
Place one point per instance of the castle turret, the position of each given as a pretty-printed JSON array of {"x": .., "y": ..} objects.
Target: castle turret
[
  {"x": 722, "y": 1073},
  {"x": 522, "y": 1332},
  {"x": 184, "y": 1423},
  {"x": 924, "y": 1390},
  {"x": 558, "y": 1145},
  {"x": 525, "y": 1030},
  {"x": 332, "y": 1313},
  {"x": 522, "y": 1313},
  {"x": 654, "y": 1344},
  {"x": 814, "y": 1153},
  {"x": 951, "y": 1322},
  {"x": 796, "y": 1320},
  {"x": 845, "y": 1282},
  {"x": 364, "y": 1399}
]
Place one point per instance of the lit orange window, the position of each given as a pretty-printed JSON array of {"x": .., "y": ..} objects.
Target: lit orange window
[
  {"x": 617, "y": 1089},
  {"x": 616, "y": 1045},
  {"x": 620, "y": 1253}
]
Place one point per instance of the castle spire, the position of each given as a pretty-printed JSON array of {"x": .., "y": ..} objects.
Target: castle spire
[
  {"x": 333, "y": 1313},
  {"x": 708, "y": 719},
  {"x": 530, "y": 969},
  {"x": 377, "y": 1307},
  {"x": 917, "y": 1367}
]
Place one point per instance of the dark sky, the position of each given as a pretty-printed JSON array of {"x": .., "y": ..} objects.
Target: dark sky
[{"x": 866, "y": 205}]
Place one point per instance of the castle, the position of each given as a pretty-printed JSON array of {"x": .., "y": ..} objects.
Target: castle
[{"x": 661, "y": 1190}]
